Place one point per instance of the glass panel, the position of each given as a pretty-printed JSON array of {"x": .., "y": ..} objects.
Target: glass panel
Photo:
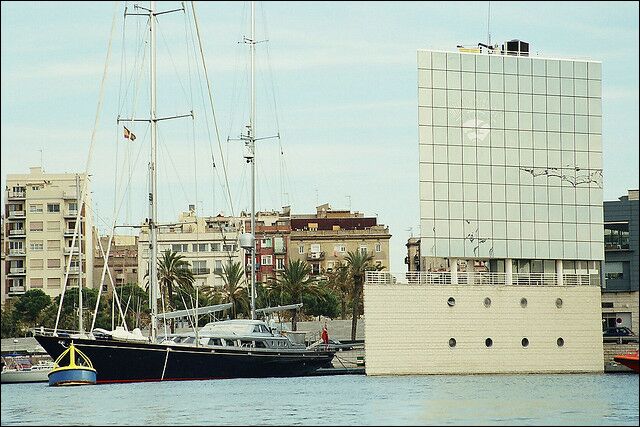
[
  {"x": 524, "y": 84},
  {"x": 439, "y": 60},
  {"x": 482, "y": 81},
  {"x": 468, "y": 81},
  {"x": 510, "y": 83},
  {"x": 439, "y": 79},
  {"x": 453, "y": 61},
  {"x": 453, "y": 80},
  {"x": 553, "y": 85}
]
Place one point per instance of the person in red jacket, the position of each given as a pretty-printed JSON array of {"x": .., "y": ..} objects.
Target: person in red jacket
[{"x": 325, "y": 335}]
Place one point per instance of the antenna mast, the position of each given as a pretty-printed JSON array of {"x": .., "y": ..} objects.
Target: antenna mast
[
  {"x": 489, "y": 26},
  {"x": 252, "y": 148}
]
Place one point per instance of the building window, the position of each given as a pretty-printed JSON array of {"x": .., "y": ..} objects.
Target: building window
[
  {"x": 53, "y": 282},
  {"x": 35, "y": 208},
  {"x": 35, "y": 187},
  {"x": 36, "y": 282},
  {"x": 73, "y": 206},
  {"x": 229, "y": 247},
  {"x": 199, "y": 267},
  {"x": 53, "y": 225},
  {"x": 378, "y": 247},
  {"x": 36, "y": 264},
  {"x": 53, "y": 263},
  {"x": 616, "y": 235},
  {"x": 215, "y": 247},
  {"x": 300, "y": 249},
  {"x": 315, "y": 248},
  {"x": 613, "y": 270},
  {"x": 36, "y": 226},
  {"x": 315, "y": 268},
  {"x": 36, "y": 245},
  {"x": 280, "y": 263},
  {"x": 53, "y": 245},
  {"x": 265, "y": 260},
  {"x": 265, "y": 243},
  {"x": 340, "y": 248},
  {"x": 217, "y": 266},
  {"x": 180, "y": 247},
  {"x": 53, "y": 207},
  {"x": 198, "y": 247},
  {"x": 363, "y": 250}
]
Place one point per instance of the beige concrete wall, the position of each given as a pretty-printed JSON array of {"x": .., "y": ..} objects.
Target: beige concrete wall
[{"x": 408, "y": 329}]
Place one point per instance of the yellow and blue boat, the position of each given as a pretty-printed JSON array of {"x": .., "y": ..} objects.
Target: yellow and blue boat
[{"x": 78, "y": 371}]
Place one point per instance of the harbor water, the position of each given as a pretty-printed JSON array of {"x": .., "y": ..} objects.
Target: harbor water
[{"x": 575, "y": 399}]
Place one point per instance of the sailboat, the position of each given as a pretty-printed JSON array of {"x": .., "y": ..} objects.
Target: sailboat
[{"x": 229, "y": 349}]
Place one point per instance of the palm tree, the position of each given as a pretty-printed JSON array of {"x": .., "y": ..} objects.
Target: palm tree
[
  {"x": 295, "y": 280},
  {"x": 340, "y": 282},
  {"x": 173, "y": 270},
  {"x": 358, "y": 262},
  {"x": 235, "y": 287}
]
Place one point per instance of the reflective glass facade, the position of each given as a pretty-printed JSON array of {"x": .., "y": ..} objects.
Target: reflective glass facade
[{"x": 510, "y": 156}]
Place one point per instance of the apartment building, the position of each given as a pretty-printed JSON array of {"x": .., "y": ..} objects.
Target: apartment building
[
  {"x": 325, "y": 238},
  {"x": 122, "y": 262},
  {"x": 41, "y": 210},
  {"x": 272, "y": 241},
  {"x": 207, "y": 243}
]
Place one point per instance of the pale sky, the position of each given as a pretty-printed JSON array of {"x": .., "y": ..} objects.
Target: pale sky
[{"x": 344, "y": 79}]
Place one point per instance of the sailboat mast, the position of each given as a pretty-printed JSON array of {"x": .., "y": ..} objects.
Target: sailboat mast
[
  {"x": 79, "y": 206},
  {"x": 153, "y": 210},
  {"x": 252, "y": 142}
]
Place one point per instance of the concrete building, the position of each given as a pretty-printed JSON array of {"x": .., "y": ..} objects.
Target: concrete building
[
  {"x": 272, "y": 241},
  {"x": 122, "y": 263},
  {"x": 413, "y": 254},
  {"x": 206, "y": 243},
  {"x": 325, "y": 238},
  {"x": 511, "y": 197},
  {"x": 621, "y": 249},
  {"x": 41, "y": 211}
]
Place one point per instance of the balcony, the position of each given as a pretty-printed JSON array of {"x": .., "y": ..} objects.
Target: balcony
[
  {"x": 16, "y": 290},
  {"x": 71, "y": 213},
  {"x": 16, "y": 214},
  {"x": 479, "y": 278},
  {"x": 69, "y": 196},
  {"x": 17, "y": 233},
  {"x": 199, "y": 271},
  {"x": 17, "y": 194},
  {"x": 315, "y": 256},
  {"x": 74, "y": 270},
  {"x": 280, "y": 250},
  {"x": 17, "y": 270},
  {"x": 17, "y": 252}
]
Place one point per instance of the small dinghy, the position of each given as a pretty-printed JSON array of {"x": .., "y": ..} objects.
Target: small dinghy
[{"x": 78, "y": 370}]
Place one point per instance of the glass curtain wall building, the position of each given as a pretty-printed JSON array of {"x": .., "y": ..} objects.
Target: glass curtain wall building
[{"x": 511, "y": 163}]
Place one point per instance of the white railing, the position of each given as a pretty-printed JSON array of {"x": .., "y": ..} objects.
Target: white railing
[
  {"x": 16, "y": 214},
  {"x": 16, "y": 251},
  {"x": 72, "y": 212},
  {"x": 16, "y": 232},
  {"x": 17, "y": 194},
  {"x": 478, "y": 278},
  {"x": 16, "y": 289},
  {"x": 17, "y": 270}
]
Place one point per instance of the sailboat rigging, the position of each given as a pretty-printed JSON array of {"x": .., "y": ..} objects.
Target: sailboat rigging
[{"x": 227, "y": 349}]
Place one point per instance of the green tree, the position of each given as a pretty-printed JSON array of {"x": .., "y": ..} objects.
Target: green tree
[
  {"x": 173, "y": 271},
  {"x": 10, "y": 327},
  {"x": 340, "y": 282},
  {"x": 234, "y": 290},
  {"x": 29, "y": 306},
  {"x": 324, "y": 304},
  {"x": 295, "y": 281},
  {"x": 69, "y": 311},
  {"x": 358, "y": 263}
]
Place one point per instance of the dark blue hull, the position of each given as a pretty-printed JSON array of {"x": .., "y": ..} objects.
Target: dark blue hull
[
  {"x": 117, "y": 361},
  {"x": 72, "y": 377}
]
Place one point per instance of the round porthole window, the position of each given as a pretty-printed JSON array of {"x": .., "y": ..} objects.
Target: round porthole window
[
  {"x": 452, "y": 342},
  {"x": 525, "y": 342},
  {"x": 559, "y": 302},
  {"x": 488, "y": 342},
  {"x": 451, "y": 301},
  {"x": 560, "y": 342},
  {"x": 487, "y": 302},
  {"x": 523, "y": 302}
]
